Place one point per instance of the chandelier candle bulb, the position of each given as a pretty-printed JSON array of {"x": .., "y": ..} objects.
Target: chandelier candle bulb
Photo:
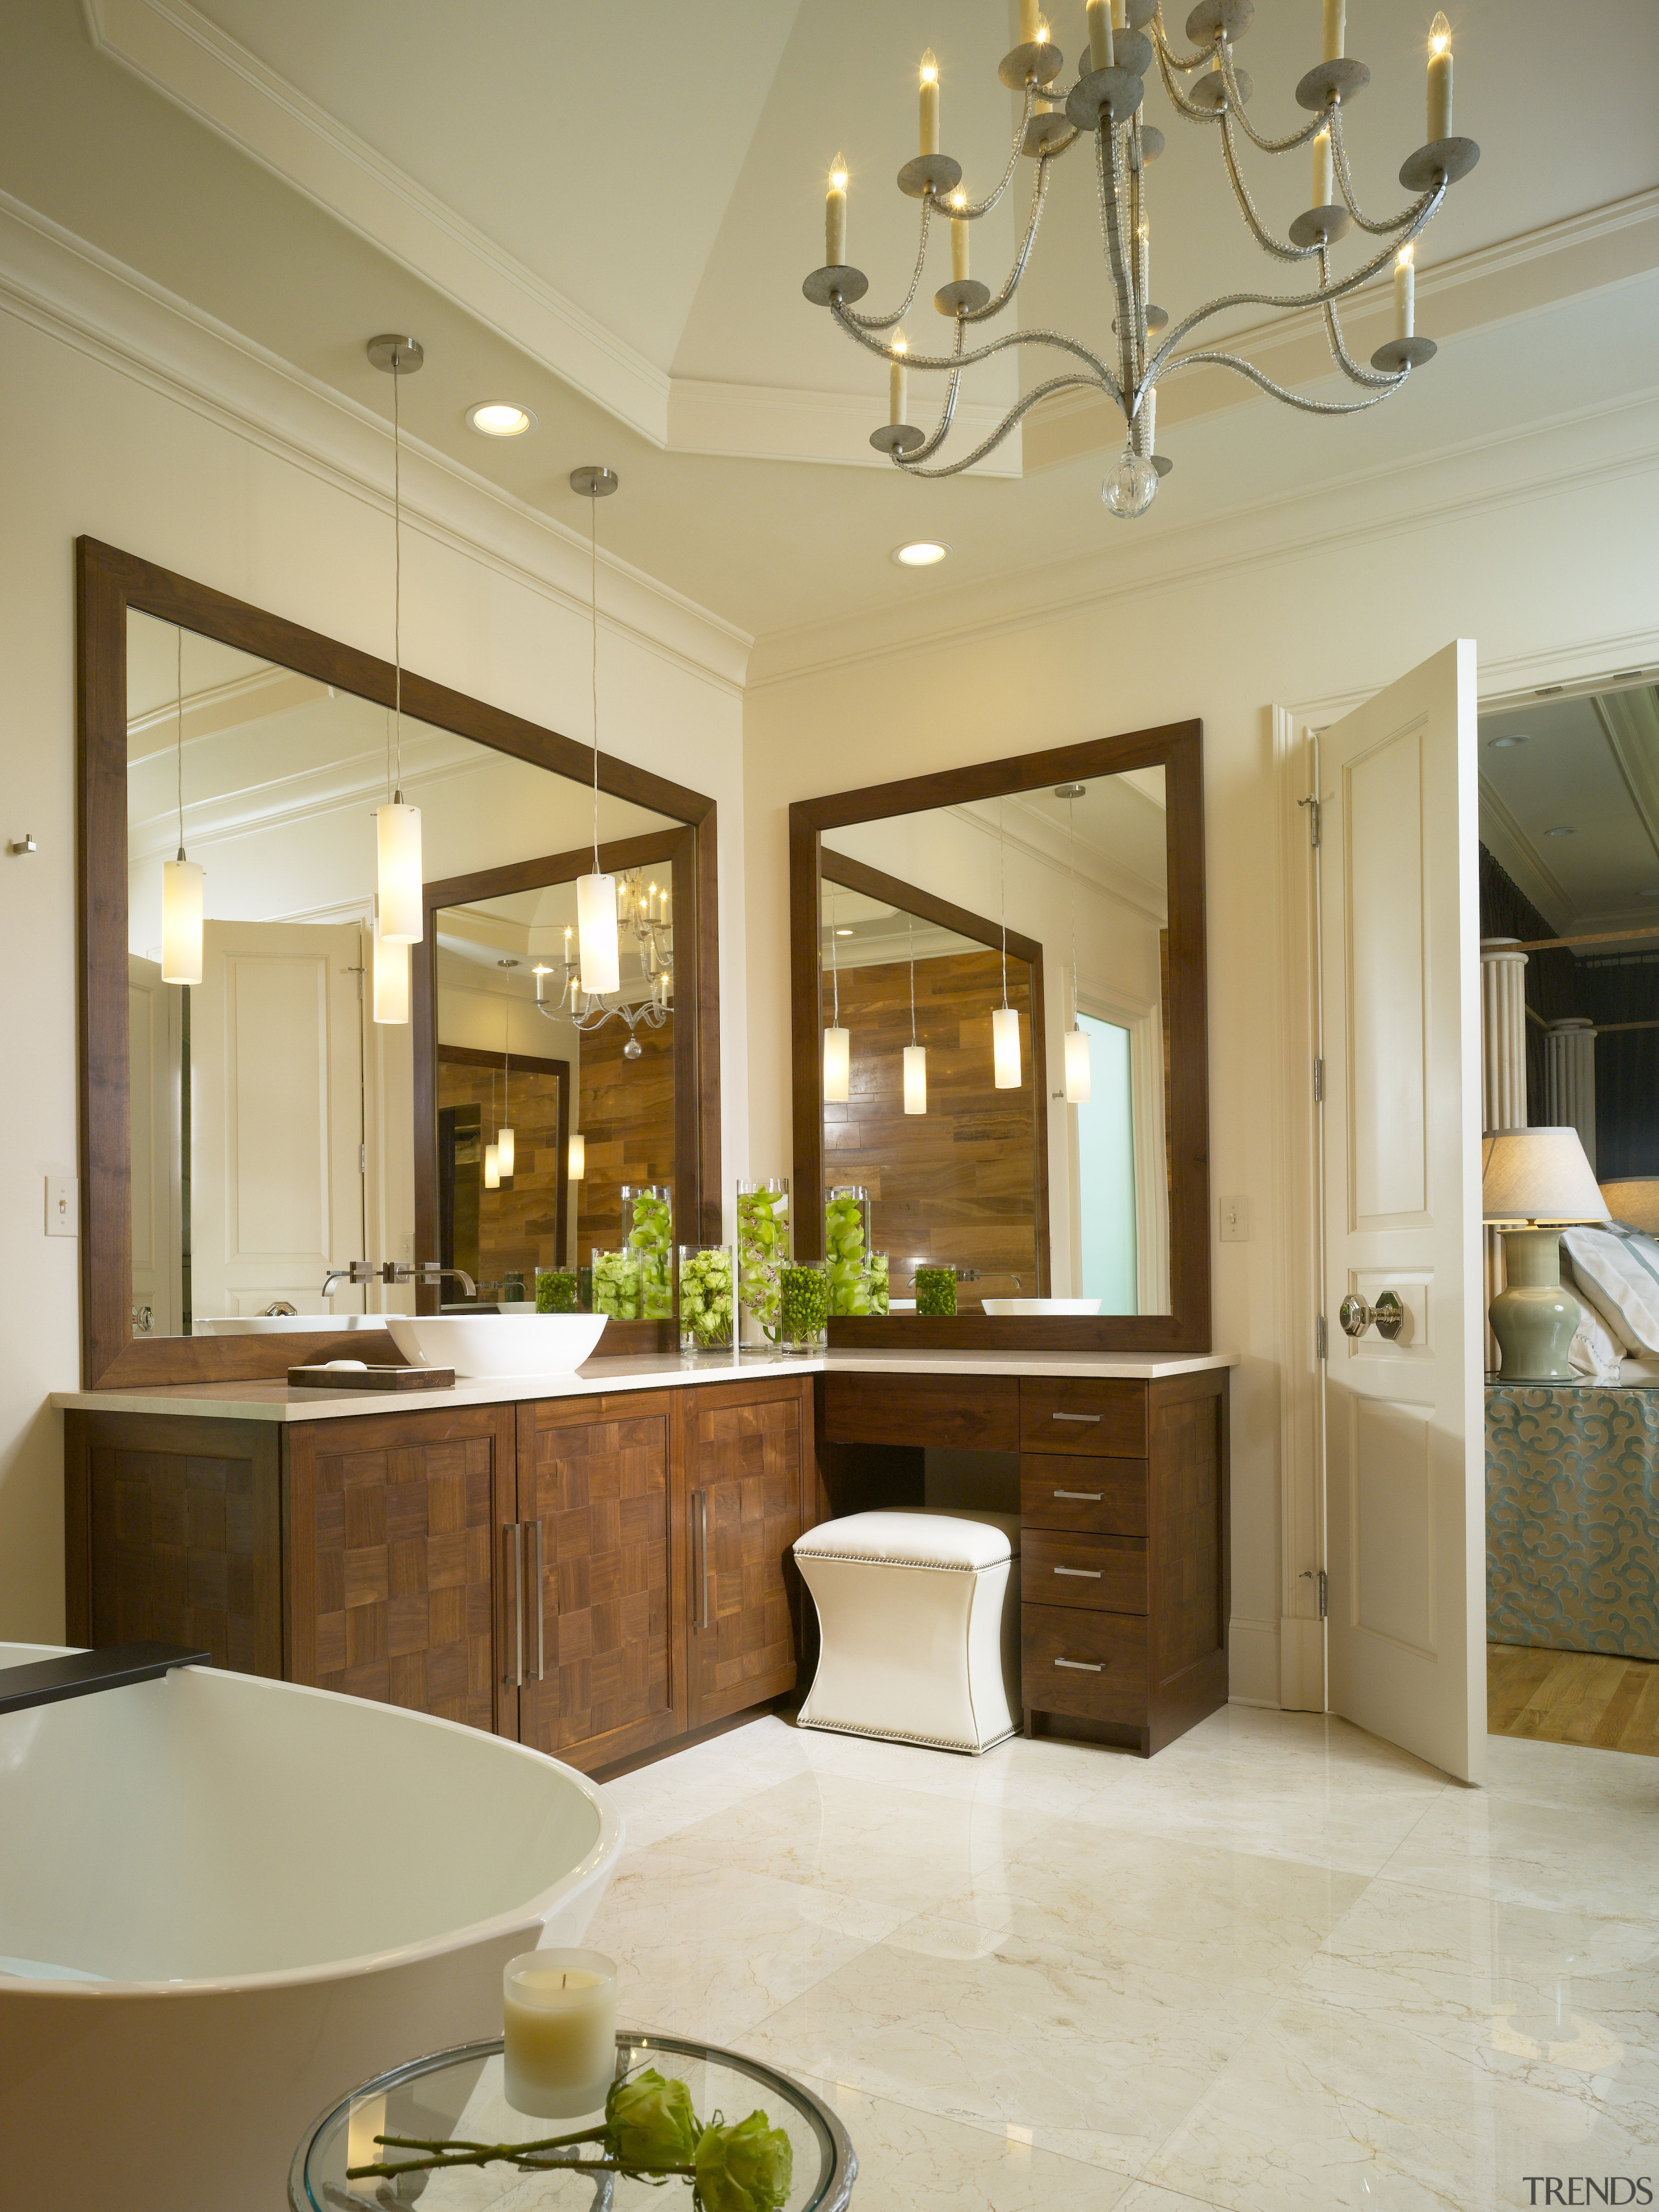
[
  {"x": 1440, "y": 80},
  {"x": 1404, "y": 295},
  {"x": 959, "y": 269},
  {"x": 399, "y": 838},
  {"x": 835, "y": 217},
  {"x": 929, "y": 103},
  {"x": 1336, "y": 26},
  {"x": 1324, "y": 172},
  {"x": 1005, "y": 1048},
  {"x": 897, "y": 383},
  {"x": 598, "y": 948},
  {"x": 915, "y": 1079}
]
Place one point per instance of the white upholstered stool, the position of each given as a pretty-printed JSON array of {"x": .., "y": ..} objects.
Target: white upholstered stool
[{"x": 919, "y": 1627}]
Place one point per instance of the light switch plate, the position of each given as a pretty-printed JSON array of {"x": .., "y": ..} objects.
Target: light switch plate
[
  {"x": 1234, "y": 1220},
  {"x": 63, "y": 1206}
]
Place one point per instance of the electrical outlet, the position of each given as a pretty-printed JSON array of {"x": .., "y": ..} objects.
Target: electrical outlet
[
  {"x": 1234, "y": 1220},
  {"x": 62, "y": 1206}
]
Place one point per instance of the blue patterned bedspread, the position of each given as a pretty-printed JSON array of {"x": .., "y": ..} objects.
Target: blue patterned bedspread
[{"x": 1572, "y": 1517}]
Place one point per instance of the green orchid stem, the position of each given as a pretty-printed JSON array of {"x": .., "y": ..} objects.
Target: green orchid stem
[{"x": 510, "y": 2155}]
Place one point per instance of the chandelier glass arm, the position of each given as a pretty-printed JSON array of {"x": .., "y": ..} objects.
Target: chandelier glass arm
[
  {"x": 1279, "y": 249},
  {"x": 1367, "y": 378},
  {"x": 1321, "y": 120},
  {"x": 975, "y": 209},
  {"x": 886, "y": 322},
  {"x": 1010, "y": 420},
  {"x": 952, "y": 362},
  {"x": 1166, "y": 52},
  {"x": 1167, "y": 66},
  {"x": 1039, "y": 193},
  {"x": 1108, "y": 166},
  {"x": 1242, "y": 367},
  {"x": 1416, "y": 213}
]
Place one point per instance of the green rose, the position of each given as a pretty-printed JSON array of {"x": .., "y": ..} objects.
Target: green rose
[
  {"x": 745, "y": 2168},
  {"x": 649, "y": 2123}
]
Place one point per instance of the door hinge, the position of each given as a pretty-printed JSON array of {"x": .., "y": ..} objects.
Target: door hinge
[
  {"x": 1319, "y": 1338},
  {"x": 1318, "y": 1575},
  {"x": 363, "y": 1159},
  {"x": 1312, "y": 805},
  {"x": 1319, "y": 1083}
]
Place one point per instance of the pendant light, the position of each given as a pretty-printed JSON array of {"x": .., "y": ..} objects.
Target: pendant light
[
  {"x": 492, "y": 1152},
  {"x": 838, "y": 1044},
  {"x": 578, "y": 1166},
  {"x": 1077, "y": 1042},
  {"x": 916, "y": 1055},
  {"x": 504, "y": 1134},
  {"x": 391, "y": 964},
  {"x": 598, "y": 949},
  {"x": 181, "y": 882},
  {"x": 1005, "y": 1022},
  {"x": 397, "y": 826}
]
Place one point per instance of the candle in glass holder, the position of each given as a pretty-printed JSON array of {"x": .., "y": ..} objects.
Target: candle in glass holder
[{"x": 559, "y": 2030}]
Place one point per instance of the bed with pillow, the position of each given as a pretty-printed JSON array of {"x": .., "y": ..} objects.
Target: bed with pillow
[{"x": 1572, "y": 1469}]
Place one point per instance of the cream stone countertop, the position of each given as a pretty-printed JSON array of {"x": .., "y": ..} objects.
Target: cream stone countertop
[{"x": 275, "y": 1400}]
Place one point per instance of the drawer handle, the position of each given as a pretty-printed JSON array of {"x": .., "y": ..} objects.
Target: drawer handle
[
  {"x": 1088, "y": 1574},
  {"x": 1077, "y": 1417},
  {"x": 1083, "y": 1666},
  {"x": 1092, "y": 1497}
]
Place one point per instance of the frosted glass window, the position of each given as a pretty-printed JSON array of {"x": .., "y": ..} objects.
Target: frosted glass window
[{"x": 1106, "y": 1172}]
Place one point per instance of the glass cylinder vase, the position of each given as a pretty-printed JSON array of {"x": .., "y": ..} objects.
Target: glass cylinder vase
[
  {"x": 557, "y": 1290},
  {"x": 762, "y": 1249},
  {"x": 618, "y": 1288},
  {"x": 876, "y": 1269},
  {"x": 648, "y": 1226},
  {"x": 936, "y": 1287},
  {"x": 847, "y": 1247},
  {"x": 708, "y": 1298},
  {"x": 803, "y": 1306}
]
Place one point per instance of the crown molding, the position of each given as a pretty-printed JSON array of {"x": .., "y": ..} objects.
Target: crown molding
[
  {"x": 773, "y": 422},
  {"x": 73, "y": 293}
]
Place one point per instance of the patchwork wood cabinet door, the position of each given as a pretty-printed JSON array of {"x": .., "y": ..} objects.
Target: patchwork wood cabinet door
[
  {"x": 747, "y": 1460},
  {"x": 392, "y": 1529},
  {"x": 600, "y": 1681}
]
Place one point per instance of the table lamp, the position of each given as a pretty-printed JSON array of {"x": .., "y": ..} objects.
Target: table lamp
[{"x": 1534, "y": 1183}]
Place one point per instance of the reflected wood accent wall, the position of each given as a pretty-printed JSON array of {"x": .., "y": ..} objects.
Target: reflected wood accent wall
[
  {"x": 960, "y": 1184},
  {"x": 522, "y": 1225},
  {"x": 627, "y": 1117}
]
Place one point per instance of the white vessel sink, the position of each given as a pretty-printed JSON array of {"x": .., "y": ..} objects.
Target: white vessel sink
[
  {"x": 1020, "y": 1308},
  {"x": 281, "y": 1324},
  {"x": 496, "y": 1344}
]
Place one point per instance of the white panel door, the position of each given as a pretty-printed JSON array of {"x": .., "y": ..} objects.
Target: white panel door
[
  {"x": 276, "y": 1116},
  {"x": 153, "y": 1090},
  {"x": 1403, "y": 1438}
]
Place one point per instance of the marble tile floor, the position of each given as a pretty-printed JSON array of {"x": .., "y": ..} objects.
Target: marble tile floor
[{"x": 1281, "y": 1966}]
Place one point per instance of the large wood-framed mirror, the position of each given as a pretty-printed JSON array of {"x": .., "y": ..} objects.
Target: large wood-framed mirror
[
  {"x": 1064, "y": 891},
  {"x": 242, "y": 1136}
]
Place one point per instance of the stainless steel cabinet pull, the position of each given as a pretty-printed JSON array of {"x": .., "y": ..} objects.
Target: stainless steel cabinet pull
[
  {"x": 700, "y": 1556},
  {"x": 1077, "y": 1417},
  {"x": 1083, "y": 1666},
  {"x": 703, "y": 1514},
  {"x": 1088, "y": 1574},
  {"x": 510, "y": 1537},
  {"x": 1094, "y": 1497},
  {"x": 540, "y": 1601}
]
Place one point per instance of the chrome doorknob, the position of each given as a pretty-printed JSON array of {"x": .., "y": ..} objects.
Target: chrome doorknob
[{"x": 1356, "y": 1316}]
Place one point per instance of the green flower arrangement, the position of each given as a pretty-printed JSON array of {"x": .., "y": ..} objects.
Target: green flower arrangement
[
  {"x": 649, "y": 1216},
  {"x": 556, "y": 1289},
  {"x": 651, "y": 2133},
  {"x": 706, "y": 1315},
  {"x": 618, "y": 1289},
  {"x": 936, "y": 1289},
  {"x": 763, "y": 1246},
  {"x": 876, "y": 1272},
  {"x": 803, "y": 1292},
  {"x": 844, "y": 1241}
]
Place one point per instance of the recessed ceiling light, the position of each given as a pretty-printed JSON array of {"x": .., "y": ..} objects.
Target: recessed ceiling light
[
  {"x": 922, "y": 555},
  {"x": 1562, "y": 832},
  {"x": 1497, "y": 745},
  {"x": 500, "y": 418},
  {"x": 843, "y": 933}
]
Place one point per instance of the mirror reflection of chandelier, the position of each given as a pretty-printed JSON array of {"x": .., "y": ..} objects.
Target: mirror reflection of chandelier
[{"x": 645, "y": 927}]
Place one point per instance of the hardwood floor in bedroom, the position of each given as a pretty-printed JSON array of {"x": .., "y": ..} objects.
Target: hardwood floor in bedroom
[{"x": 1573, "y": 1696}]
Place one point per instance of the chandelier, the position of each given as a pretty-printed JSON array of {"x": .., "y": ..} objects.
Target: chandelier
[
  {"x": 1104, "y": 107},
  {"x": 642, "y": 917}
]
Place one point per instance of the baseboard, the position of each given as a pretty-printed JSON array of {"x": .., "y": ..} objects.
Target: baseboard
[
  {"x": 1253, "y": 1662},
  {"x": 1302, "y": 1665}
]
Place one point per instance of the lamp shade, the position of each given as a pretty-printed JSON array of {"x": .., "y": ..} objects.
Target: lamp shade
[
  {"x": 1532, "y": 1176},
  {"x": 1634, "y": 1200},
  {"x": 915, "y": 1079},
  {"x": 181, "y": 921},
  {"x": 1077, "y": 1067},
  {"x": 397, "y": 833},
  {"x": 504, "y": 1153},
  {"x": 390, "y": 981},
  {"x": 837, "y": 1064},
  {"x": 578, "y": 1163},
  {"x": 492, "y": 1168},
  {"x": 597, "y": 947},
  {"x": 1005, "y": 1048}
]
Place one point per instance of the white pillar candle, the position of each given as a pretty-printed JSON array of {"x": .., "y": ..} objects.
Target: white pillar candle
[
  {"x": 929, "y": 102},
  {"x": 1005, "y": 1048},
  {"x": 559, "y": 2031},
  {"x": 835, "y": 217},
  {"x": 915, "y": 1079},
  {"x": 897, "y": 382},
  {"x": 1324, "y": 172},
  {"x": 1440, "y": 80},
  {"x": 958, "y": 241},
  {"x": 1336, "y": 26},
  {"x": 1100, "y": 34},
  {"x": 1405, "y": 293}
]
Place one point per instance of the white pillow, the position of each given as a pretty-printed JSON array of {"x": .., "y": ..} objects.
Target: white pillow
[
  {"x": 1620, "y": 1276},
  {"x": 1595, "y": 1351}
]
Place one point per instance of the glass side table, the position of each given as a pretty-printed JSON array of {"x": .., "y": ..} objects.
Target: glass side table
[{"x": 457, "y": 2095}]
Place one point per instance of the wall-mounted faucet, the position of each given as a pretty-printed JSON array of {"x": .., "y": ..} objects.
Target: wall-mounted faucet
[
  {"x": 359, "y": 1271},
  {"x": 425, "y": 1271}
]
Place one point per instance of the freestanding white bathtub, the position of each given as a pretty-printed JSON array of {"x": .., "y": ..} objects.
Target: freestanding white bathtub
[{"x": 223, "y": 1901}]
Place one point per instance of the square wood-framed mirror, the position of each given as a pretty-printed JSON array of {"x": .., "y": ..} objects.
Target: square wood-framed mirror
[
  {"x": 1088, "y": 861},
  {"x": 275, "y": 738}
]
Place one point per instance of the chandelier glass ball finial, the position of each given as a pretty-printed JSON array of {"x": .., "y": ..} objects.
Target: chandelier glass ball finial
[{"x": 1130, "y": 488}]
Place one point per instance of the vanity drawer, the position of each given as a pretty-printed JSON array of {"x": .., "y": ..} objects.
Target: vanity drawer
[
  {"x": 1101, "y": 1574},
  {"x": 1090, "y": 1663},
  {"x": 1106, "y": 1499},
  {"x": 1083, "y": 1416},
  {"x": 964, "y": 1412}
]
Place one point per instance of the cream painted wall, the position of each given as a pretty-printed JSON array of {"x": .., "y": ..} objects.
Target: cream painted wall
[
  {"x": 1537, "y": 580},
  {"x": 124, "y": 420}
]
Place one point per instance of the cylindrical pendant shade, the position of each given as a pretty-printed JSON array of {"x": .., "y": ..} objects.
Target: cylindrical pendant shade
[
  {"x": 915, "y": 1079},
  {"x": 390, "y": 982},
  {"x": 504, "y": 1151},
  {"x": 492, "y": 1168},
  {"x": 578, "y": 1167},
  {"x": 597, "y": 949},
  {"x": 399, "y": 828},
  {"x": 181, "y": 921},
  {"x": 1004, "y": 1047},
  {"x": 1077, "y": 1067},
  {"x": 837, "y": 1065}
]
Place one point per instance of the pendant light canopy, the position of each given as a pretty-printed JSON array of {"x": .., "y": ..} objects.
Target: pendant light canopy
[
  {"x": 390, "y": 981},
  {"x": 402, "y": 920},
  {"x": 837, "y": 1044},
  {"x": 1077, "y": 1041},
  {"x": 598, "y": 947},
  {"x": 181, "y": 882}
]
